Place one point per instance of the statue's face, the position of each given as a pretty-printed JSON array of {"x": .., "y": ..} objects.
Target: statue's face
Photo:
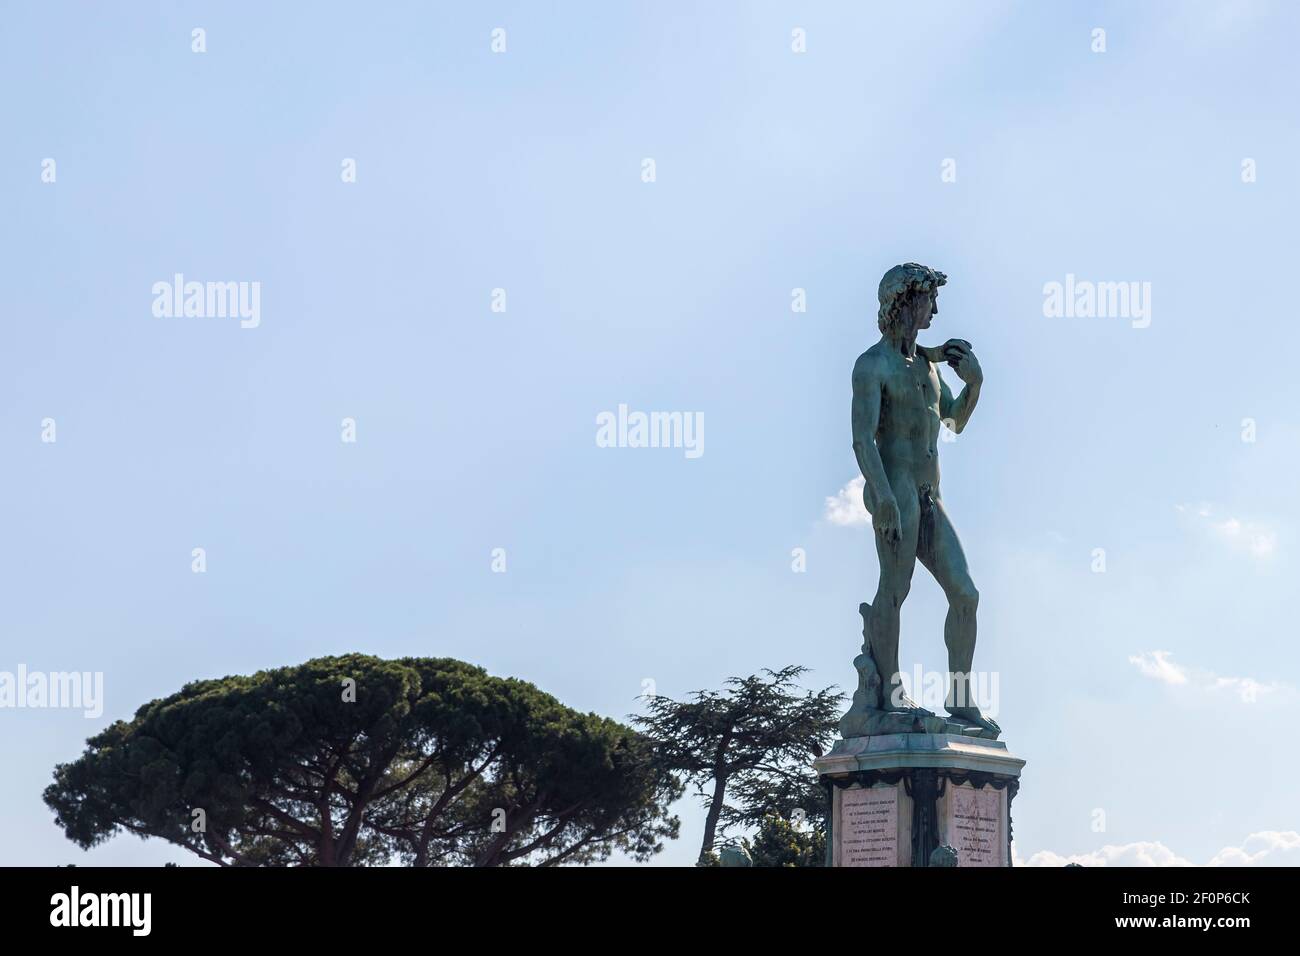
[{"x": 920, "y": 308}]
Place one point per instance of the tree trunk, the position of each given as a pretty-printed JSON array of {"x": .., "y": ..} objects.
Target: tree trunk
[{"x": 715, "y": 811}]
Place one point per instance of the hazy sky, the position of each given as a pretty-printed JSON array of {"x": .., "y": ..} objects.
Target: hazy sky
[{"x": 1156, "y": 691}]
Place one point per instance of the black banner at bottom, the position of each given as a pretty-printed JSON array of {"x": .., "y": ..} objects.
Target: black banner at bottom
[{"x": 208, "y": 904}]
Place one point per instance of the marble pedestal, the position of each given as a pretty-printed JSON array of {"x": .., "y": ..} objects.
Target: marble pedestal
[{"x": 894, "y": 798}]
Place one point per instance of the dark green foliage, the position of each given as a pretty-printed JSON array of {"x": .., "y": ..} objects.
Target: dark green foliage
[
  {"x": 779, "y": 842},
  {"x": 752, "y": 742},
  {"x": 794, "y": 793},
  {"x": 415, "y": 770}
]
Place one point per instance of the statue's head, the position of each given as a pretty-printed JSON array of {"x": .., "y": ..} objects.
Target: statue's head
[{"x": 909, "y": 296}]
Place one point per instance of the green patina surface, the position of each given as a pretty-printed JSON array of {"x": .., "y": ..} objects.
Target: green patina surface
[{"x": 900, "y": 404}]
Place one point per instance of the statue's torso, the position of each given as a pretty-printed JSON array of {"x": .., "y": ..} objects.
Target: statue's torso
[{"x": 908, "y": 434}]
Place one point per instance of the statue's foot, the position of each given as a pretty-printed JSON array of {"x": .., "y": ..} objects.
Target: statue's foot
[
  {"x": 905, "y": 705},
  {"x": 972, "y": 717}
]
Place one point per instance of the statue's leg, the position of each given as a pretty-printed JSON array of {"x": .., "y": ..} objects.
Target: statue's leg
[
  {"x": 942, "y": 554},
  {"x": 897, "y": 559}
]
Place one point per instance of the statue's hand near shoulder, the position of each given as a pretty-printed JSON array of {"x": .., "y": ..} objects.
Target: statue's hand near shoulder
[{"x": 962, "y": 359}]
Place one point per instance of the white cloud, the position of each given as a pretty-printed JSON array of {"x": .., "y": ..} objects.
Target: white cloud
[
  {"x": 1267, "y": 848},
  {"x": 1258, "y": 539},
  {"x": 1129, "y": 854},
  {"x": 846, "y": 507},
  {"x": 1246, "y": 688},
  {"x": 1159, "y": 667}
]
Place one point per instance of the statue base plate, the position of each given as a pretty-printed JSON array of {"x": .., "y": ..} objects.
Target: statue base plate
[{"x": 895, "y": 798}]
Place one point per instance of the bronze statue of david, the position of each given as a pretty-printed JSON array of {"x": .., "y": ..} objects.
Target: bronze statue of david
[{"x": 899, "y": 404}]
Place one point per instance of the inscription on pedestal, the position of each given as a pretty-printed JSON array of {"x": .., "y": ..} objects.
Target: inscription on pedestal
[
  {"x": 974, "y": 825},
  {"x": 868, "y": 827}
]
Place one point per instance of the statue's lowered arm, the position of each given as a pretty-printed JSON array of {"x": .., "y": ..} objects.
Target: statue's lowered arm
[{"x": 866, "y": 419}]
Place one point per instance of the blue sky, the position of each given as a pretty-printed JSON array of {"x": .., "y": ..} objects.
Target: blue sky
[{"x": 1152, "y": 691}]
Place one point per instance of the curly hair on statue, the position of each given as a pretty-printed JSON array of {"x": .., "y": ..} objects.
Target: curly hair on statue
[{"x": 895, "y": 286}]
